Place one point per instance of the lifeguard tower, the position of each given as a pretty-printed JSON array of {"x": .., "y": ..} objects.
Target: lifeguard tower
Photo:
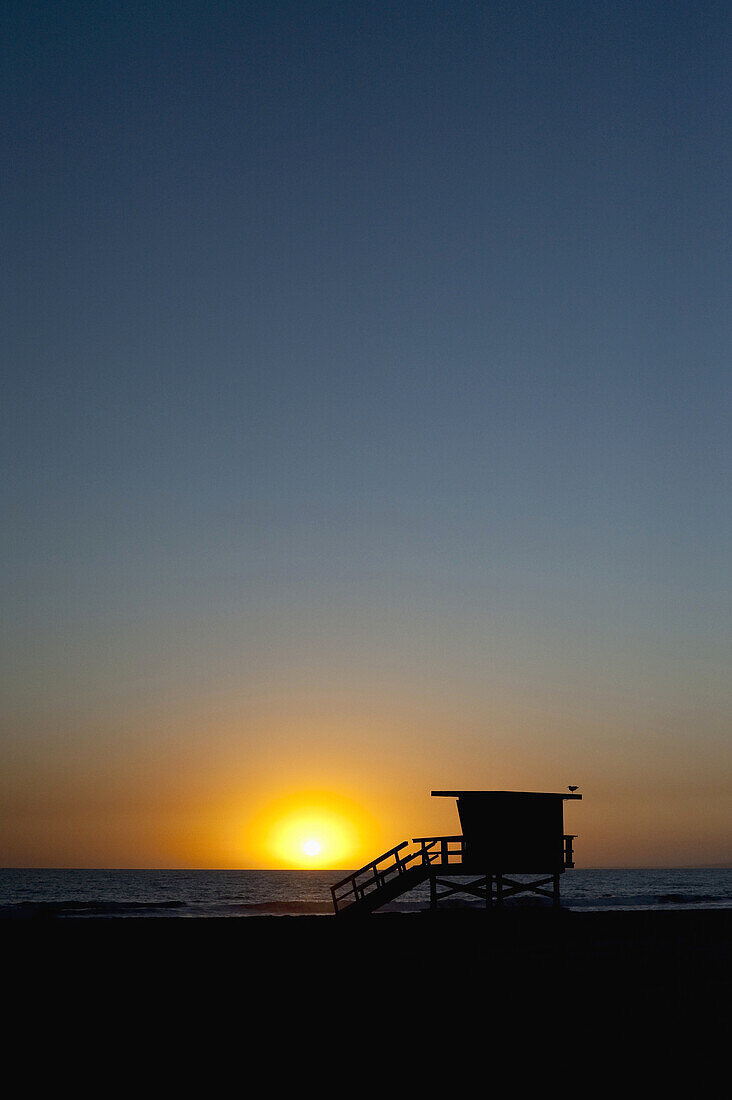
[{"x": 505, "y": 833}]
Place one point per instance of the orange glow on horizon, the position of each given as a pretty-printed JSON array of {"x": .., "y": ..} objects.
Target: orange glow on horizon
[{"x": 333, "y": 789}]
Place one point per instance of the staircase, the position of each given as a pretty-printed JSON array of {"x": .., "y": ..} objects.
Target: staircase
[
  {"x": 379, "y": 882},
  {"x": 395, "y": 872}
]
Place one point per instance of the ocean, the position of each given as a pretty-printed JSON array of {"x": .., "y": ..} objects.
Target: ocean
[{"x": 153, "y": 893}]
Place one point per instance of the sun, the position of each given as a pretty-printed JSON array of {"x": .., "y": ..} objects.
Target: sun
[{"x": 312, "y": 832}]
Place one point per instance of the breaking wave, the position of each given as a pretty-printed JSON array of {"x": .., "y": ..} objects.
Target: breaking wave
[{"x": 86, "y": 908}]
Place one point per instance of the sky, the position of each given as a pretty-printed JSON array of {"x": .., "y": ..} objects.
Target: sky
[{"x": 365, "y": 425}]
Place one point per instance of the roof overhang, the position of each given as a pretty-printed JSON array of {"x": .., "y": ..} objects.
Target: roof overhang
[{"x": 513, "y": 794}]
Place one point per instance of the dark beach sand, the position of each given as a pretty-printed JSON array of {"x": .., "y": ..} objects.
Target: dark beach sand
[{"x": 334, "y": 997}]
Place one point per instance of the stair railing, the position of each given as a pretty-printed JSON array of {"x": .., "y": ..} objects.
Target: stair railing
[
  {"x": 440, "y": 850},
  {"x": 371, "y": 876}
]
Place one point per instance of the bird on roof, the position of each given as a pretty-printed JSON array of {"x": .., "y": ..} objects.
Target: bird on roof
[{"x": 572, "y": 789}]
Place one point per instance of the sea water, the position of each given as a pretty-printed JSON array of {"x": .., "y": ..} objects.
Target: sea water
[{"x": 178, "y": 893}]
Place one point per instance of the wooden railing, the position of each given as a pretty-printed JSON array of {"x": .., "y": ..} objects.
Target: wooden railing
[
  {"x": 372, "y": 876},
  {"x": 440, "y": 850},
  {"x": 445, "y": 850}
]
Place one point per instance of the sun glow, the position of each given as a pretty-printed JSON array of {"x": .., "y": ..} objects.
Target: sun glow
[{"x": 313, "y": 832}]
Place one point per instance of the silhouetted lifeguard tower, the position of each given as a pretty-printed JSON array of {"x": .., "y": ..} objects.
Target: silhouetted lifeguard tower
[{"x": 505, "y": 833}]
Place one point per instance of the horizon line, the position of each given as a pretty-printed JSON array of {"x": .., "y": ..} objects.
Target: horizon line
[{"x": 723, "y": 866}]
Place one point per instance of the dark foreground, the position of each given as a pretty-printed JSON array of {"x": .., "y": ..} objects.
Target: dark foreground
[{"x": 334, "y": 1003}]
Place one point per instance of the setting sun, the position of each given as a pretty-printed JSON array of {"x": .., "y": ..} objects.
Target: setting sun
[
  {"x": 312, "y": 837},
  {"x": 312, "y": 831}
]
